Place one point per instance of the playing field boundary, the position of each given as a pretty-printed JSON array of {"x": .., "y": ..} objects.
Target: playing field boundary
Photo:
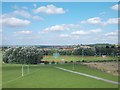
[
  {"x": 19, "y": 77},
  {"x": 91, "y": 76}
]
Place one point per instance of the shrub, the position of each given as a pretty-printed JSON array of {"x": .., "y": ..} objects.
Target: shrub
[
  {"x": 46, "y": 62},
  {"x": 66, "y": 61},
  {"x": 52, "y": 62}
]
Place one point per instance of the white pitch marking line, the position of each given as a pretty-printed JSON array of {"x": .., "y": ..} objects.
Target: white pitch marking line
[
  {"x": 87, "y": 75},
  {"x": 19, "y": 77}
]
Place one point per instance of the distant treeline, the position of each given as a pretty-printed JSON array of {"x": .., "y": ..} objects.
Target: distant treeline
[
  {"x": 32, "y": 55},
  {"x": 113, "y": 51},
  {"x": 95, "y": 49}
]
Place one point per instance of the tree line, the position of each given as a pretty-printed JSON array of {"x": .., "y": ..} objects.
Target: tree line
[
  {"x": 33, "y": 55},
  {"x": 98, "y": 51}
]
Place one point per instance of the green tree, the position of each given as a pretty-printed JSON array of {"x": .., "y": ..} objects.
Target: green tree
[{"x": 22, "y": 55}]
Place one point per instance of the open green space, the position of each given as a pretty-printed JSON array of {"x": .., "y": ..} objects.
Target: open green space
[
  {"x": 78, "y": 58},
  {"x": 48, "y": 76},
  {"x": 0, "y": 56},
  {"x": 0, "y": 68}
]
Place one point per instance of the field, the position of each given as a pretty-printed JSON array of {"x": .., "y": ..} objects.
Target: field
[
  {"x": 48, "y": 76},
  {"x": 109, "y": 67},
  {"x": 78, "y": 58},
  {"x": 0, "y": 57},
  {"x": 0, "y": 69}
]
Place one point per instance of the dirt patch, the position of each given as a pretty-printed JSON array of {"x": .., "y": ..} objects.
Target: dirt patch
[{"x": 109, "y": 67}]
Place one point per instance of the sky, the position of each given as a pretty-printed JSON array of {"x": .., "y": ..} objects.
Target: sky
[{"x": 59, "y": 23}]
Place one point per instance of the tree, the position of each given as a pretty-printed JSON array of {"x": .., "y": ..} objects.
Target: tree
[
  {"x": 22, "y": 55},
  {"x": 77, "y": 51}
]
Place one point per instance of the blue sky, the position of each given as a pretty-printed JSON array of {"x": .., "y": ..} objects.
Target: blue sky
[{"x": 44, "y": 23}]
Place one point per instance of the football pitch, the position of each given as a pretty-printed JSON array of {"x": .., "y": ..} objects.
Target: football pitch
[
  {"x": 79, "y": 58},
  {"x": 49, "y": 76}
]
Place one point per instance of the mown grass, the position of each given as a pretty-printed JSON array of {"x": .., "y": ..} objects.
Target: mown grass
[
  {"x": 48, "y": 76},
  {"x": 92, "y": 71},
  {"x": 0, "y": 57},
  {"x": 78, "y": 58},
  {"x": 0, "y": 69}
]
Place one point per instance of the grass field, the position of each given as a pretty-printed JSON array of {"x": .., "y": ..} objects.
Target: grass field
[
  {"x": 48, "y": 76},
  {"x": 0, "y": 69},
  {"x": 0, "y": 57},
  {"x": 78, "y": 58}
]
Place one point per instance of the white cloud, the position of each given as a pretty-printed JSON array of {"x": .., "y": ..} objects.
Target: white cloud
[
  {"x": 113, "y": 21},
  {"x": 50, "y": 9},
  {"x": 95, "y": 30},
  {"x": 115, "y": 7},
  {"x": 81, "y": 32},
  {"x": 14, "y": 22},
  {"x": 24, "y": 32},
  {"x": 95, "y": 20},
  {"x": 114, "y": 33},
  {"x": 64, "y": 35},
  {"x": 57, "y": 28},
  {"x": 37, "y": 18},
  {"x": 69, "y": 36},
  {"x": 22, "y": 13},
  {"x": 35, "y": 5},
  {"x": 25, "y": 14},
  {"x": 98, "y": 21},
  {"x": 16, "y": 7}
]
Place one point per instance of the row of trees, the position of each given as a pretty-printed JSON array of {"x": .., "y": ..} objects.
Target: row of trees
[
  {"x": 33, "y": 55},
  {"x": 108, "y": 50},
  {"x": 112, "y": 51},
  {"x": 22, "y": 55}
]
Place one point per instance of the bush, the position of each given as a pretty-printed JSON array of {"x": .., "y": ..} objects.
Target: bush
[
  {"x": 84, "y": 61},
  {"x": 46, "y": 62},
  {"x": 71, "y": 61},
  {"x": 22, "y": 55},
  {"x": 52, "y": 62},
  {"x": 66, "y": 61}
]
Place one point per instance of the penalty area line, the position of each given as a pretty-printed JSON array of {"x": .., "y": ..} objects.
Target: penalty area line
[{"x": 87, "y": 75}]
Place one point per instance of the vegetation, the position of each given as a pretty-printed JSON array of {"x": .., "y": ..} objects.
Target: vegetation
[
  {"x": 22, "y": 55},
  {"x": 79, "y": 58},
  {"x": 91, "y": 51},
  {"x": 47, "y": 76}
]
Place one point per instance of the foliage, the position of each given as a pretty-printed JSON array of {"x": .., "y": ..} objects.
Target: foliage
[{"x": 22, "y": 55}]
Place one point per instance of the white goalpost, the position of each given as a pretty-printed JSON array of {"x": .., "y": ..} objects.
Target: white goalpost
[{"x": 24, "y": 71}]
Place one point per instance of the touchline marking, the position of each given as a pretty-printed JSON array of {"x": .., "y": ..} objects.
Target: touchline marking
[
  {"x": 19, "y": 77},
  {"x": 12, "y": 80},
  {"x": 87, "y": 75}
]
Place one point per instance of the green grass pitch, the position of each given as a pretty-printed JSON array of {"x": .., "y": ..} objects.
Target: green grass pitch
[
  {"x": 79, "y": 58},
  {"x": 48, "y": 76}
]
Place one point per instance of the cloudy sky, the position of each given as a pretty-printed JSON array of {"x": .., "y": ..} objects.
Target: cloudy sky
[{"x": 41, "y": 23}]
